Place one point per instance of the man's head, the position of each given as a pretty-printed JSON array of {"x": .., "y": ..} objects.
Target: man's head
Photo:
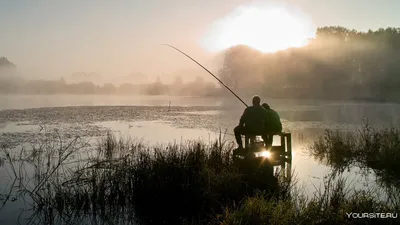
[
  {"x": 266, "y": 106},
  {"x": 256, "y": 100}
]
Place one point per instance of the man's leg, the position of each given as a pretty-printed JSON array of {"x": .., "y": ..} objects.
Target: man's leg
[{"x": 238, "y": 135}]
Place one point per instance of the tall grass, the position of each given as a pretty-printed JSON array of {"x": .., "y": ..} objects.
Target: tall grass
[
  {"x": 125, "y": 182},
  {"x": 330, "y": 206},
  {"x": 163, "y": 184},
  {"x": 368, "y": 148}
]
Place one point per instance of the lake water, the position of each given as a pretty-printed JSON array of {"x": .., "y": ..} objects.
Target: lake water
[{"x": 165, "y": 119}]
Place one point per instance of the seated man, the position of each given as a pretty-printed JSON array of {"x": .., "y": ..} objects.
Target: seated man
[
  {"x": 273, "y": 124},
  {"x": 252, "y": 121}
]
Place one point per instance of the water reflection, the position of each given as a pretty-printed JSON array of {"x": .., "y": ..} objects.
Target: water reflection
[
  {"x": 165, "y": 124},
  {"x": 372, "y": 152},
  {"x": 39, "y": 101}
]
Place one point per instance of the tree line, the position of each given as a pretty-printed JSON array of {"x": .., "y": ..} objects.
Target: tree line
[
  {"x": 199, "y": 87},
  {"x": 11, "y": 83},
  {"x": 339, "y": 63}
]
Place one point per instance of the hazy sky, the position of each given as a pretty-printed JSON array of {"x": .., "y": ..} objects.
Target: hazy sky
[{"x": 56, "y": 38}]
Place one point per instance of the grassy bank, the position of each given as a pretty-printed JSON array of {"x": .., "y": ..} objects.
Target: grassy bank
[
  {"x": 123, "y": 182},
  {"x": 368, "y": 148}
]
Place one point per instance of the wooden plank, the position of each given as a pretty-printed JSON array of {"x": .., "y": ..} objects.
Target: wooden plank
[
  {"x": 283, "y": 143},
  {"x": 289, "y": 145}
]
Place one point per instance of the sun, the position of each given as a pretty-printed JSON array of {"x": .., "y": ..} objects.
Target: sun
[{"x": 267, "y": 29}]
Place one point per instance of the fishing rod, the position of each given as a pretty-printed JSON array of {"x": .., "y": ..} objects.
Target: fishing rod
[{"x": 207, "y": 71}]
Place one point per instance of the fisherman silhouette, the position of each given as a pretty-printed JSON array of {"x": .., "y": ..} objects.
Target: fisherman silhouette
[
  {"x": 273, "y": 125},
  {"x": 252, "y": 121}
]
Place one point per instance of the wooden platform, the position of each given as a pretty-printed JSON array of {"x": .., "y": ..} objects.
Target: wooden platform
[{"x": 283, "y": 151}]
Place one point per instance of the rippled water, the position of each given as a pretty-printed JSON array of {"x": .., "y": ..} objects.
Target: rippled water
[{"x": 158, "y": 120}]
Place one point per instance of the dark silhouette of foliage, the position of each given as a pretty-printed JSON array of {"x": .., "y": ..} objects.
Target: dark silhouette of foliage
[
  {"x": 4, "y": 62},
  {"x": 338, "y": 63}
]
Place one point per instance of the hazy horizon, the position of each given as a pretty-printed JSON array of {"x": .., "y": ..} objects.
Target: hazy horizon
[{"x": 48, "y": 39}]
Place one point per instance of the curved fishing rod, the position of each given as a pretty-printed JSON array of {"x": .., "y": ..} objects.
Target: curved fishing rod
[{"x": 207, "y": 71}]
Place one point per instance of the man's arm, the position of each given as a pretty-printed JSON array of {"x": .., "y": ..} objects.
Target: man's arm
[
  {"x": 278, "y": 121},
  {"x": 243, "y": 118}
]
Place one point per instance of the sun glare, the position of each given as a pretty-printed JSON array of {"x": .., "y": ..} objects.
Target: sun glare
[{"x": 267, "y": 29}]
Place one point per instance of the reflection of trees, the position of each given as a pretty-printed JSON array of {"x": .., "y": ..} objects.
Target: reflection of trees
[{"x": 368, "y": 149}]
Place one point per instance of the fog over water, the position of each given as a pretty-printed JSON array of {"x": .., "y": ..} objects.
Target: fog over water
[
  {"x": 159, "y": 120},
  {"x": 201, "y": 117}
]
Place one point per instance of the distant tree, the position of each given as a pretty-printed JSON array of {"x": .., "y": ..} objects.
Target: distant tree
[
  {"x": 199, "y": 80},
  {"x": 339, "y": 63},
  {"x": 108, "y": 88},
  {"x": 7, "y": 69},
  {"x": 126, "y": 88},
  {"x": 242, "y": 69},
  {"x": 156, "y": 88},
  {"x": 4, "y": 62},
  {"x": 62, "y": 81},
  {"x": 178, "y": 81}
]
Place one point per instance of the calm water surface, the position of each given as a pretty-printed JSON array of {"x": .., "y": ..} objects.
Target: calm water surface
[{"x": 164, "y": 119}]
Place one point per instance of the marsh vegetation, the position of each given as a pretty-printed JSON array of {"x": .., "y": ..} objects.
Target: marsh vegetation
[{"x": 126, "y": 182}]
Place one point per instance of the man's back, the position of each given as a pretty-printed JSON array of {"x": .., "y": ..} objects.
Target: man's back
[
  {"x": 274, "y": 122},
  {"x": 254, "y": 119}
]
